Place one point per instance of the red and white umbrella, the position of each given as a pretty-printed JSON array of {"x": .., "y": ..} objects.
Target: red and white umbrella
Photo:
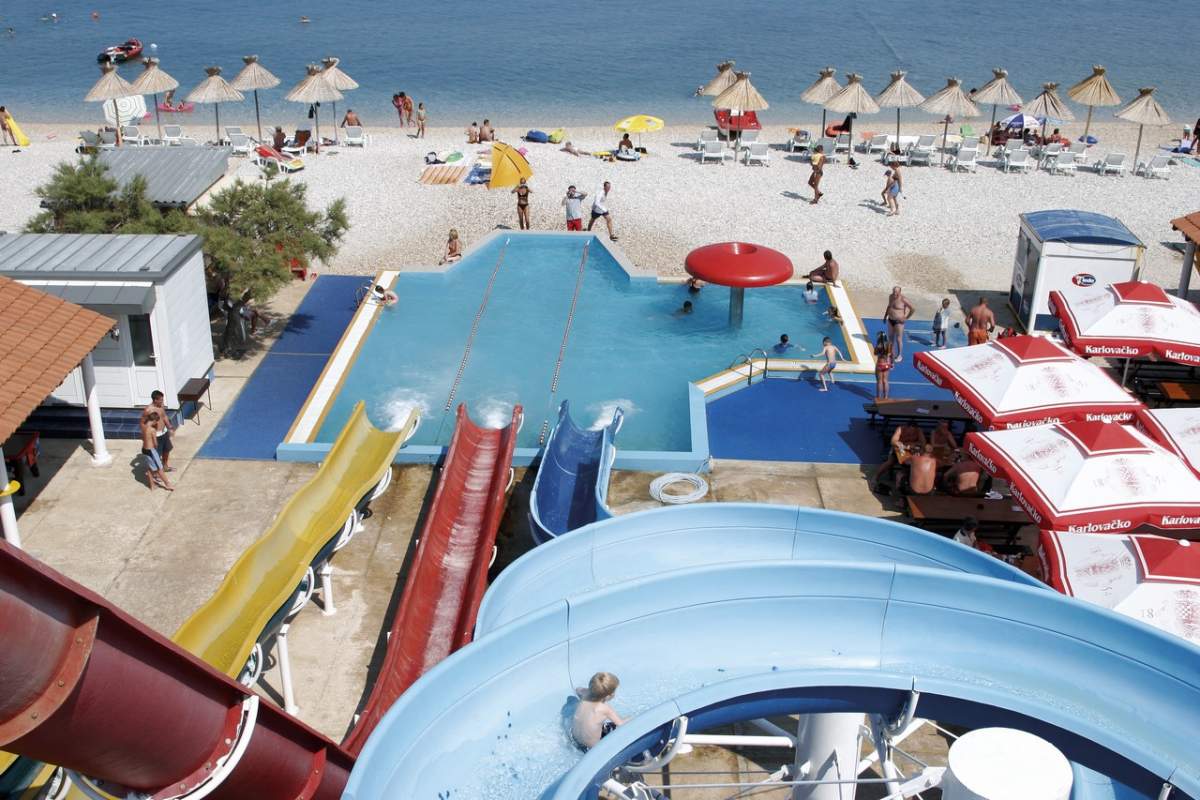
[
  {"x": 1091, "y": 477},
  {"x": 1135, "y": 319},
  {"x": 1177, "y": 429},
  {"x": 1026, "y": 380},
  {"x": 1150, "y": 578}
]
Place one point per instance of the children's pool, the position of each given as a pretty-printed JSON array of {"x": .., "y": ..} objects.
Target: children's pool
[{"x": 519, "y": 321}]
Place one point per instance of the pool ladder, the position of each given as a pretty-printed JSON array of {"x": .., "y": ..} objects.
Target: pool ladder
[{"x": 748, "y": 360}]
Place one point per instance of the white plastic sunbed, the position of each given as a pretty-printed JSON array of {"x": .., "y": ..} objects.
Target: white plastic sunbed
[
  {"x": 757, "y": 153},
  {"x": 964, "y": 159},
  {"x": 1018, "y": 160},
  {"x": 707, "y": 135},
  {"x": 922, "y": 151},
  {"x": 799, "y": 141},
  {"x": 240, "y": 143},
  {"x": 1156, "y": 167},
  {"x": 1113, "y": 162},
  {"x": 354, "y": 136},
  {"x": 1063, "y": 163},
  {"x": 714, "y": 150},
  {"x": 172, "y": 134},
  {"x": 877, "y": 144}
]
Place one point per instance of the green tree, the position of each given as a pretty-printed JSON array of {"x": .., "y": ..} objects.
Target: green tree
[{"x": 252, "y": 232}]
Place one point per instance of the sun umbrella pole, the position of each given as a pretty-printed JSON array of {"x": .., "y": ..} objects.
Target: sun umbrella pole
[
  {"x": 822, "y": 133},
  {"x": 335, "y": 125},
  {"x": 1138, "y": 149},
  {"x": 157, "y": 117},
  {"x": 897, "y": 127},
  {"x": 1087, "y": 126},
  {"x": 992, "y": 127},
  {"x": 317, "y": 121},
  {"x": 257, "y": 115},
  {"x": 945, "y": 137},
  {"x": 217, "y": 109}
]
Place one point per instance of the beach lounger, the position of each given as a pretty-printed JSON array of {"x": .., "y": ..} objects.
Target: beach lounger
[
  {"x": 1048, "y": 154},
  {"x": 968, "y": 143},
  {"x": 757, "y": 153},
  {"x": 747, "y": 137},
  {"x": 108, "y": 140},
  {"x": 172, "y": 134},
  {"x": 265, "y": 154},
  {"x": 240, "y": 144},
  {"x": 354, "y": 136},
  {"x": 1012, "y": 146},
  {"x": 799, "y": 141},
  {"x": 922, "y": 149},
  {"x": 1156, "y": 167},
  {"x": 1113, "y": 162},
  {"x": 1063, "y": 163},
  {"x": 299, "y": 144},
  {"x": 715, "y": 150},
  {"x": 1018, "y": 160},
  {"x": 132, "y": 134},
  {"x": 1079, "y": 152},
  {"x": 964, "y": 159},
  {"x": 877, "y": 144},
  {"x": 827, "y": 145},
  {"x": 89, "y": 142},
  {"x": 707, "y": 135},
  {"x": 231, "y": 131},
  {"x": 842, "y": 144}
]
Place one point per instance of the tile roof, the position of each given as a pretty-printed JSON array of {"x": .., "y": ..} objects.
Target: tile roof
[{"x": 42, "y": 338}]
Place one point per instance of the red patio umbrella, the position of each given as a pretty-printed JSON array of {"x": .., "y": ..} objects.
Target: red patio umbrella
[
  {"x": 1091, "y": 477},
  {"x": 1026, "y": 380},
  {"x": 1134, "y": 319}
]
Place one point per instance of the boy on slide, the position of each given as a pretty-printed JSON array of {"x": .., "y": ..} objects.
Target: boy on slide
[{"x": 594, "y": 717}]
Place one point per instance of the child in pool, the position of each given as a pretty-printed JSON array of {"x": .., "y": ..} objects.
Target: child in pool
[{"x": 594, "y": 717}]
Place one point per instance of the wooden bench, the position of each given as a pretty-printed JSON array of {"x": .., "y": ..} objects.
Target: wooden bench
[
  {"x": 944, "y": 512},
  {"x": 191, "y": 392},
  {"x": 1178, "y": 392}
]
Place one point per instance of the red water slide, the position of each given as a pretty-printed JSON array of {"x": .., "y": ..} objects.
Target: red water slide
[
  {"x": 86, "y": 686},
  {"x": 448, "y": 575}
]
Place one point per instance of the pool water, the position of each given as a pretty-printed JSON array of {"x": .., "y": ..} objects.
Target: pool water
[{"x": 626, "y": 347}]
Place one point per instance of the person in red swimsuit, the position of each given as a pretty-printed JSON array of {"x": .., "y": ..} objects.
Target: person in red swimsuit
[{"x": 883, "y": 366}]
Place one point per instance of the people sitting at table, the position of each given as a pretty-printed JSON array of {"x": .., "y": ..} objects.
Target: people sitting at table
[
  {"x": 965, "y": 478},
  {"x": 967, "y": 534},
  {"x": 942, "y": 436},
  {"x": 922, "y": 471},
  {"x": 906, "y": 437}
]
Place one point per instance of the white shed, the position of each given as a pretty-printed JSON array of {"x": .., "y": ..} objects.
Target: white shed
[
  {"x": 152, "y": 285},
  {"x": 1064, "y": 250}
]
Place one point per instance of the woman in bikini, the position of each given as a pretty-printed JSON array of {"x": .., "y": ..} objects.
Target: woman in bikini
[
  {"x": 453, "y": 248},
  {"x": 522, "y": 192},
  {"x": 818, "y": 170},
  {"x": 883, "y": 366}
]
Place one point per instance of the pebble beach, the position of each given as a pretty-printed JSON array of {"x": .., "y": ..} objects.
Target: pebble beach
[{"x": 956, "y": 232}]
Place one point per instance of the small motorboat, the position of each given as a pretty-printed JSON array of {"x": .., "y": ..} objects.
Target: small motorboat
[
  {"x": 131, "y": 48},
  {"x": 182, "y": 108}
]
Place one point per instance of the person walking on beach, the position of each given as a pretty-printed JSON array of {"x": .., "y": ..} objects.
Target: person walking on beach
[
  {"x": 398, "y": 104},
  {"x": 831, "y": 354},
  {"x": 6, "y": 131},
  {"x": 941, "y": 322},
  {"x": 896, "y": 314},
  {"x": 522, "y": 191},
  {"x": 600, "y": 209},
  {"x": 155, "y": 472},
  {"x": 827, "y": 272},
  {"x": 408, "y": 109},
  {"x": 895, "y": 184},
  {"x": 980, "y": 323},
  {"x": 163, "y": 428},
  {"x": 573, "y": 203},
  {"x": 421, "y": 120},
  {"x": 818, "y": 171}
]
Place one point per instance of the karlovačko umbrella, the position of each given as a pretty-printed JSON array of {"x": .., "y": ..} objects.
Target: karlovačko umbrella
[
  {"x": 999, "y": 92},
  {"x": 1026, "y": 380},
  {"x": 740, "y": 97},
  {"x": 852, "y": 100},
  {"x": 152, "y": 81},
  {"x": 1144, "y": 110},
  {"x": 1134, "y": 319},
  {"x": 254, "y": 76},
  {"x": 216, "y": 90},
  {"x": 1149, "y": 578},
  {"x": 1177, "y": 429},
  {"x": 899, "y": 94},
  {"x": 508, "y": 166},
  {"x": 1092, "y": 91},
  {"x": 951, "y": 101},
  {"x": 825, "y": 87},
  {"x": 720, "y": 82},
  {"x": 1048, "y": 105},
  {"x": 1091, "y": 477},
  {"x": 639, "y": 124},
  {"x": 313, "y": 91},
  {"x": 111, "y": 86},
  {"x": 338, "y": 80}
]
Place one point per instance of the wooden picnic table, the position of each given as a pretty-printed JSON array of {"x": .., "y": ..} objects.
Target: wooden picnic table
[
  {"x": 936, "y": 410},
  {"x": 1175, "y": 392},
  {"x": 940, "y": 511}
]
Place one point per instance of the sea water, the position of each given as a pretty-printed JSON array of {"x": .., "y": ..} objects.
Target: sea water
[{"x": 552, "y": 64}]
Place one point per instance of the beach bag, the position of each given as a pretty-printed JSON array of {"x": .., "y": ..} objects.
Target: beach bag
[
  {"x": 537, "y": 136},
  {"x": 557, "y": 135},
  {"x": 431, "y": 158}
]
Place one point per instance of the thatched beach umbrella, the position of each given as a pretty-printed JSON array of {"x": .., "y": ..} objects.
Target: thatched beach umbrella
[
  {"x": 338, "y": 80},
  {"x": 722, "y": 81},
  {"x": 741, "y": 96},
  {"x": 1048, "y": 105},
  {"x": 1144, "y": 110},
  {"x": 825, "y": 87},
  {"x": 1092, "y": 91},
  {"x": 899, "y": 94},
  {"x": 216, "y": 90},
  {"x": 853, "y": 99},
  {"x": 314, "y": 89},
  {"x": 111, "y": 86},
  {"x": 254, "y": 76},
  {"x": 152, "y": 81},
  {"x": 951, "y": 101},
  {"x": 999, "y": 92}
]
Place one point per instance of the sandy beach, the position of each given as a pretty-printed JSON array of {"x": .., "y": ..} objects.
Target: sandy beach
[{"x": 956, "y": 232}]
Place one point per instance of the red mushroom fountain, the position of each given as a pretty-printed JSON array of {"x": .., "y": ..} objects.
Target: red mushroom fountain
[{"x": 738, "y": 265}]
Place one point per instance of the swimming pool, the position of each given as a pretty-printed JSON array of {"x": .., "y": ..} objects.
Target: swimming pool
[{"x": 539, "y": 318}]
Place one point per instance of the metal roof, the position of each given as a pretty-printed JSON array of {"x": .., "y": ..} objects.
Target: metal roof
[
  {"x": 175, "y": 176},
  {"x": 97, "y": 256},
  {"x": 1084, "y": 227},
  {"x": 111, "y": 299}
]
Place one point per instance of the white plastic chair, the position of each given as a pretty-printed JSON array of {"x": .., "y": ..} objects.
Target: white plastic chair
[
  {"x": 88, "y": 141},
  {"x": 964, "y": 159},
  {"x": 1113, "y": 162},
  {"x": 707, "y": 135},
  {"x": 757, "y": 152},
  {"x": 354, "y": 136},
  {"x": 1018, "y": 160},
  {"x": 715, "y": 150},
  {"x": 1156, "y": 167}
]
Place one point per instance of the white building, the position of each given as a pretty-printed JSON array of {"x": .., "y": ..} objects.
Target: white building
[{"x": 153, "y": 286}]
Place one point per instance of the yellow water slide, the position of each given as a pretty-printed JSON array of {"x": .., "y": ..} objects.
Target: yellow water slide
[{"x": 264, "y": 580}]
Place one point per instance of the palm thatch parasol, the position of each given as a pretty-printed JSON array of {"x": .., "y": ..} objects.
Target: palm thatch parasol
[
  {"x": 1048, "y": 105},
  {"x": 825, "y": 87},
  {"x": 899, "y": 94},
  {"x": 254, "y": 76},
  {"x": 951, "y": 101},
  {"x": 852, "y": 100},
  {"x": 338, "y": 80},
  {"x": 1144, "y": 110},
  {"x": 1092, "y": 91},
  {"x": 999, "y": 92},
  {"x": 152, "y": 81},
  {"x": 741, "y": 95},
  {"x": 111, "y": 86},
  {"x": 313, "y": 90},
  {"x": 720, "y": 82},
  {"x": 216, "y": 90}
]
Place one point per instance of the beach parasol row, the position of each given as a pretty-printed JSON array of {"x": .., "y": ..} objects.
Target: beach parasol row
[
  {"x": 999, "y": 92},
  {"x": 952, "y": 102},
  {"x": 1092, "y": 91},
  {"x": 339, "y": 80},
  {"x": 254, "y": 76},
  {"x": 109, "y": 89},
  {"x": 1144, "y": 110},
  {"x": 312, "y": 90},
  {"x": 899, "y": 94},
  {"x": 216, "y": 90},
  {"x": 853, "y": 99},
  {"x": 720, "y": 82},
  {"x": 152, "y": 81},
  {"x": 825, "y": 87}
]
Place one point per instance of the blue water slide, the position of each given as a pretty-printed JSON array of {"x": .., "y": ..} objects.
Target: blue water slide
[
  {"x": 745, "y": 639},
  {"x": 571, "y": 488}
]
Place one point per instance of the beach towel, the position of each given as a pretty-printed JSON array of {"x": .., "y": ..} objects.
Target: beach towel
[
  {"x": 479, "y": 174},
  {"x": 442, "y": 175}
]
